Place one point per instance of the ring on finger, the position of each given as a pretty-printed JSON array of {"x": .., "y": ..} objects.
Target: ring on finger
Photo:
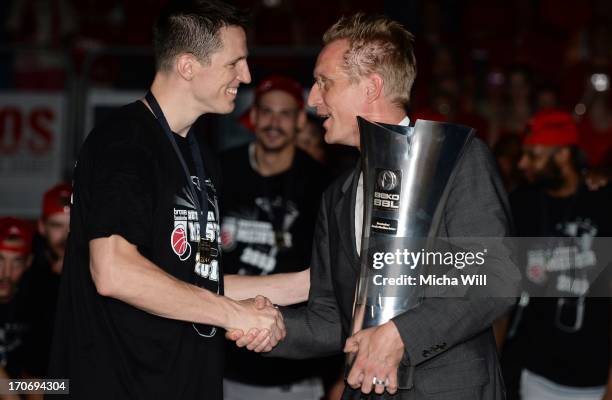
[{"x": 376, "y": 381}]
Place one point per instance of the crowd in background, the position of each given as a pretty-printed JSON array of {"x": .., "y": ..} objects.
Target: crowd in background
[
  {"x": 492, "y": 65},
  {"x": 486, "y": 64}
]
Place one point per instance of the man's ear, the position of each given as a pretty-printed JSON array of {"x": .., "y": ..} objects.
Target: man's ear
[
  {"x": 374, "y": 87},
  {"x": 185, "y": 64}
]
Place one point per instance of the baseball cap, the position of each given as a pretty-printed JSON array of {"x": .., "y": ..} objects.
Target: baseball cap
[
  {"x": 275, "y": 82},
  {"x": 16, "y": 229},
  {"x": 552, "y": 128},
  {"x": 56, "y": 200}
]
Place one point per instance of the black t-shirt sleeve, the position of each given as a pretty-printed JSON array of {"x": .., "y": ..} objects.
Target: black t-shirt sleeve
[{"x": 120, "y": 192}]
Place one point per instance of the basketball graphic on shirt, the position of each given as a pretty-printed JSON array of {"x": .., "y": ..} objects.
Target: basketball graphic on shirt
[
  {"x": 228, "y": 233},
  {"x": 180, "y": 244}
]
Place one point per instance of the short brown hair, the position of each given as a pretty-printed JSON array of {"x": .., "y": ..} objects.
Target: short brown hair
[
  {"x": 377, "y": 44},
  {"x": 192, "y": 26}
]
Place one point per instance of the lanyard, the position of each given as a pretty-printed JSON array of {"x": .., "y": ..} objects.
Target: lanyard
[
  {"x": 277, "y": 217},
  {"x": 201, "y": 200}
]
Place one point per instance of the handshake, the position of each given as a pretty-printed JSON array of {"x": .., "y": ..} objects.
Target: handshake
[{"x": 256, "y": 324}]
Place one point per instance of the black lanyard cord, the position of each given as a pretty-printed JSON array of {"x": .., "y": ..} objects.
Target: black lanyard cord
[{"x": 201, "y": 200}]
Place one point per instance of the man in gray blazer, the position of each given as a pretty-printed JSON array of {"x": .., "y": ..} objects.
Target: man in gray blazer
[{"x": 366, "y": 69}]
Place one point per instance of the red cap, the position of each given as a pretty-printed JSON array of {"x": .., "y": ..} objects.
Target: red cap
[
  {"x": 279, "y": 82},
  {"x": 16, "y": 229},
  {"x": 57, "y": 200},
  {"x": 552, "y": 128},
  {"x": 275, "y": 82}
]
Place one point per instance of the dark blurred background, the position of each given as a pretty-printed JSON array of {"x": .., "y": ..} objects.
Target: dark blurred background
[{"x": 488, "y": 64}]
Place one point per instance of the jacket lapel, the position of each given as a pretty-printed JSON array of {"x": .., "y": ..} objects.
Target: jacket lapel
[{"x": 345, "y": 217}]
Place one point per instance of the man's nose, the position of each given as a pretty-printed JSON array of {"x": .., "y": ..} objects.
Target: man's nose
[
  {"x": 245, "y": 74},
  {"x": 314, "y": 97}
]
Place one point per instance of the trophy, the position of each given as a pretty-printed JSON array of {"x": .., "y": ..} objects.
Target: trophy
[{"x": 406, "y": 174}]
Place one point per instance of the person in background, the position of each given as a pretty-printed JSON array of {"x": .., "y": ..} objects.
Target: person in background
[
  {"x": 595, "y": 140},
  {"x": 508, "y": 152},
  {"x": 270, "y": 198},
  {"x": 560, "y": 345},
  {"x": 15, "y": 260},
  {"x": 54, "y": 225},
  {"x": 49, "y": 248},
  {"x": 310, "y": 138}
]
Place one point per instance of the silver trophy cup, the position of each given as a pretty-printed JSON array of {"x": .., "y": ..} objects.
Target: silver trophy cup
[{"x": 406, "y": 175}]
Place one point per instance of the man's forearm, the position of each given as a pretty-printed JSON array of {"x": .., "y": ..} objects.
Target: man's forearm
[
  {"x": 282, "y": 289},
  {"x": 135, "y": 280}
]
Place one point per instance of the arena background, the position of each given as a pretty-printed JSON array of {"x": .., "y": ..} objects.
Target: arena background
[{"x": 489, "y": 64}]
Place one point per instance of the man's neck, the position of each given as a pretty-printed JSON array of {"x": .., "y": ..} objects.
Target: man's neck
[
  {"x": 175, "y": 104},
  {"x": 268, "y": 163},
  {"x": 569, "y": 187}
]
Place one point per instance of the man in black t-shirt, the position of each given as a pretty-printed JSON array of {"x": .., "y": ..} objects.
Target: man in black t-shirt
[
  {"x": 267, "y": 228},
  {"x": 15, "y": 259},
  {"x": 560, "y": 334},
  {"x": 48, "y": 251},
  {"x": 141, "y": 297}
]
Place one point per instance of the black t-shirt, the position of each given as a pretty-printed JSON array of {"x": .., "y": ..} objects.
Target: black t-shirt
[
  {"x": 129, "y": 182},
  {"x": 267, "y": 227},
  {"x": 14, "y": 328},
  {"x": 42, "y": 300},
  {"x": 551, "y": 341}
]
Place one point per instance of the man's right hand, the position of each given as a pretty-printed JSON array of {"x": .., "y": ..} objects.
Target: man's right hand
[{"x": 261, "y": 320}]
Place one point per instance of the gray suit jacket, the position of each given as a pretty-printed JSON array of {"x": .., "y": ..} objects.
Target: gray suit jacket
[{"x": 448, "y": 341}]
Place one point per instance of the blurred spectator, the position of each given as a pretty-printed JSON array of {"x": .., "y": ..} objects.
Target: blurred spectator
[
  {"x": 270, "y": 199},
  {"x": 594, "y": 56},
  {"x": 54, "y": 224},
  {"x": 508, "y": 102},
  {"x": 310, "y": 138},
  {"x": 491, "y": 106},
  {"x": 508, "y": 152},
  {"x": 595, "y": 131},
  {"x": 561, "y": 344},
  {"x": 49, "y": 247},
  {"x": 15, "y": 259},
  {"x": 519, "y": 100},
  {"x": 450, "y": 103},
  {"x": 336, "y": 158}
]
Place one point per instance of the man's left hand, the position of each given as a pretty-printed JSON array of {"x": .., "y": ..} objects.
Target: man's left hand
[{"x": 379, "y": 353}]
